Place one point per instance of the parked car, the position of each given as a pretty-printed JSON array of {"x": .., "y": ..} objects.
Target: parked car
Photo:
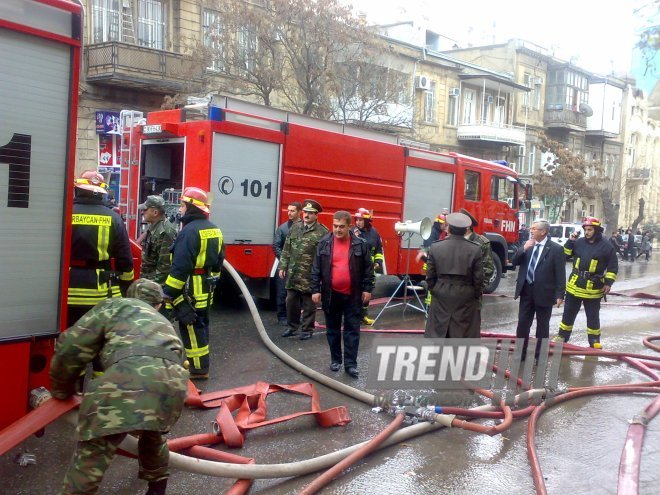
[
  {"x": 560, "y": 232},
  {"x": 637, "y": 248}
]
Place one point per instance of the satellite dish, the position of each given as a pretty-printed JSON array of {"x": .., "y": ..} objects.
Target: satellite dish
[{"x": 586, "y": 109}]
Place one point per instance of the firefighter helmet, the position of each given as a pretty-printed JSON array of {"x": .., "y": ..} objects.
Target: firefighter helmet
[
  {"x": 91, "y": 180},
  {"x": 363, "y": 213},
  {"x": 441, "y": 218},
  {"x": 592, "y": 222},
  {"x": 196, "y": 197}
]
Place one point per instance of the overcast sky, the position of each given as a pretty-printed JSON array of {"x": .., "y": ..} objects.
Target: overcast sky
[{"x": 600, "y": 34}]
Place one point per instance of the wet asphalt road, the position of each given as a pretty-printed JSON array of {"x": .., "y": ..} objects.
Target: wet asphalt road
[{"x": 579, "y": 443}]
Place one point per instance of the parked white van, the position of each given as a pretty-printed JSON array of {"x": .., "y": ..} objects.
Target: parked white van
[{"x": 560, "y": 232}]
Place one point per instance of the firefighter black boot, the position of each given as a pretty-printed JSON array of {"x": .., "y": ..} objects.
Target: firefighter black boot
[
  {"x": 594, "y": 341},
  {"x": 157, "y": 487}
]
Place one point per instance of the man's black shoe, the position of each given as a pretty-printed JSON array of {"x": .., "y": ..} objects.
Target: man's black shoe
[
  {"x": 290, "y": 332},
  {"x": 282, "y": 322},
  {"x": 353, "y": 372},
  {"x": 335, "y": 366},
  {"x": 305, "y": 335}
]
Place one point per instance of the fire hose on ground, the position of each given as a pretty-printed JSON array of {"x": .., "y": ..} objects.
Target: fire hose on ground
[{"x": 222, "y": 464}]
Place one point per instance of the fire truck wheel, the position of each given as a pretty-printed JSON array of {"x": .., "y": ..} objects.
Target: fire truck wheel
[{"x": 497, "y": 275}]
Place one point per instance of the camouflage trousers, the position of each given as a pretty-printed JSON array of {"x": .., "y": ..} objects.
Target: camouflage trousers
[{"x": 92, "y": 458}]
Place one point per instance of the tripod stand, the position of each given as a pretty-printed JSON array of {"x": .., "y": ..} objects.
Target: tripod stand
[{"x": 407, "y": 285}]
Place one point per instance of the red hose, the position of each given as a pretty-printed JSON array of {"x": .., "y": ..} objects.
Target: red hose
[
  {"x": 631, "y": 456},
  {"x": 537, "y": 474},
  {"x": 359, "y": 454}
]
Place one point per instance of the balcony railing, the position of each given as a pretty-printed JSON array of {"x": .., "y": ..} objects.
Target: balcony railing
[
  {"x": 123, "y": 64},
  {"x": 560, "y": 116},
  {"x": 491, "y": 132}
]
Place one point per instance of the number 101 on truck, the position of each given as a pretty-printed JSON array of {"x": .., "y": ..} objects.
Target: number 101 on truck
[{"x": 256, "y": 160}]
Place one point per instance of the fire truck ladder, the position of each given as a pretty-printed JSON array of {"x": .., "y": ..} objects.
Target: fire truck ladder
[
  {"x": 129, "y": 156},
  {"x": 127, "y": 28}
]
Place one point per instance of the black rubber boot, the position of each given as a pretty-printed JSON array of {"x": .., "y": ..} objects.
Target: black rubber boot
[
  {"x": 594, "y": 341},
  {"x": 157, "y": 487}
]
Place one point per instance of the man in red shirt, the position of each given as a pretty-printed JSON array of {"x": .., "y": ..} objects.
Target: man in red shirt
[{"x": 342, "y": 281}]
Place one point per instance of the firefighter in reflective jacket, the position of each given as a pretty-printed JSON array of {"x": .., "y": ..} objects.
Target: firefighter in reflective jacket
[
  {"x": 594, "y": 272},
  {"x": 197, "y": 256},
  {"x": 365, "y": 230},
  {"x": 97, "y": 236}
]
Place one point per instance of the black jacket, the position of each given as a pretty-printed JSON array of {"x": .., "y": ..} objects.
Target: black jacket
[
  {"x": 549, "y": 275},
  {"x": 280, "y": 237},
  {"x": 360, "y": 267}
]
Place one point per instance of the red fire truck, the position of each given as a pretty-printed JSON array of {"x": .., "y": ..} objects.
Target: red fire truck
[
  {"x": 40, "y": 43},
  {"x": 255, "y": 160}
]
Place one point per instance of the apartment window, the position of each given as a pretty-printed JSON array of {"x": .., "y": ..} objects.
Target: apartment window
[
  {"x": 452, "y": 110},
  {"x": 106, "y": 18},
  {"x": 151, "y": 24},
  {"x": 472, "y": 186},
  {"x": 531, "y": 157},
  {"x": 247, "y": 48},
  {"x": 528, "y": 81},
  {"x": 429, "y": 104},
  {"x": 469, "y": 110},
  {"x": 212, "y": 26}
]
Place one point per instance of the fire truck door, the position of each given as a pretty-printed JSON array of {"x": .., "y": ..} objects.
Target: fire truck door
[
  {"x": 245, "y": 181},
  {"x": 426, "y": 194},
  {"x": 33, "y": 154}
]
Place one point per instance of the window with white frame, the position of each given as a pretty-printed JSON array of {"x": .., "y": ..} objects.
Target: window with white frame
[
  {"x": 452, "y": 109},
  {"x": 469, "y": 109},
  {"x": 528, "y": 81},
  {"x": 531, "y": 157},
  {"x": 106, "y": 21},
  {"x": 429, "y": 104},
  {"x": 212, "y": 26},
  {"x": 151, "y": 24}
]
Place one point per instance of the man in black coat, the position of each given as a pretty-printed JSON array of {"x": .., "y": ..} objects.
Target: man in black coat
[
  {"x": 541, "y": 282},
  {"x": 293, "y": 211},
  {"x": 342, "y": 281}
]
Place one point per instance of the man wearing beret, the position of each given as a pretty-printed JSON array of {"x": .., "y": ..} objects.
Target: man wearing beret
[
  {"x": 455, "y": 278},
  {"x": 160, "y": 235},
  {"x": 296, "y": 269}
]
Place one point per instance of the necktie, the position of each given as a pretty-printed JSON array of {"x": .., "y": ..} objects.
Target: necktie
[{"x": 532, "y": 264}]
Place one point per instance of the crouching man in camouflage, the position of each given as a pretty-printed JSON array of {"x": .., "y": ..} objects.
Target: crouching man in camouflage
[{"x": 142, "y": 390}]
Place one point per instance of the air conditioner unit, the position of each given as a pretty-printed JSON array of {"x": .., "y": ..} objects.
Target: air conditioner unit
[
  {"x": 454, "y": 91},
  {"x": 489, "y": 99},
  {"x": 422, "y": 82},
  {"x": 539, "y": 81},
  {"x": 521, "y": 151}
]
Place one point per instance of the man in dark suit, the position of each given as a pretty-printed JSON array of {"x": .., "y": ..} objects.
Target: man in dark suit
[{"x": 541, "y": 282}]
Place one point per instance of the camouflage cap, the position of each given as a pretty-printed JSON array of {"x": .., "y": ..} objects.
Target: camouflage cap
[
  {"x": 153, "y": 202},
  {"x": 146, "y": 290}
]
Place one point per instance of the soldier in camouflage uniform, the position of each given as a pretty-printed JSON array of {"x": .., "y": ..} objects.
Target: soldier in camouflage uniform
[
  {"x": 487, "y": 263},
  {"x": 142, "y": 390},
  {"x": 160, "y": 235},
  {"x": 296, "y": 268}
]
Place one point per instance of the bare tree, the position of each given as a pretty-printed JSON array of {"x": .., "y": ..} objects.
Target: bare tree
[
  {"x": 309, "y": 56},
  {"x": 567, "y": 177},
  {"x": 649, "y": 38}
]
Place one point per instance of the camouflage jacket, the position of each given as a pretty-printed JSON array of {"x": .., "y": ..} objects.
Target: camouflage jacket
[
  {"x": 298, "y": 254},
  {"x": 138, "y": 392},
  {"x": 156, "y": 257},
  {"x": 487, "y": 262}
]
